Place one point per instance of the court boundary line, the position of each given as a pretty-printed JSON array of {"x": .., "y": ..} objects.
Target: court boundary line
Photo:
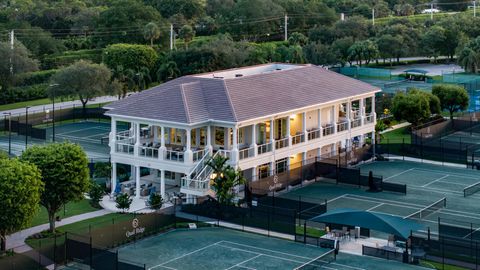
[
  {"x": 240, "y": 263},
  {"x": 398, "y": 174},
  {"x": 436, "y": 180},
  {"x": 261, "y": 254},
  {"x": 186, "y": 254},
  {"x": 450, "y": 173}
]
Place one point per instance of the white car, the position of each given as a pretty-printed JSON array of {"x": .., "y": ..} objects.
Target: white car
[{"x": 430, "y": 10}]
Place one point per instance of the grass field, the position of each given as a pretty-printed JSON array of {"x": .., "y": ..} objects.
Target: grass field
[
  {"x": 71, "y": 209},
  {"x": 397, "y": 136}
]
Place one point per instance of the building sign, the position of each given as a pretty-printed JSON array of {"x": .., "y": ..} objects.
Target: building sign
[
  {"x": 136, "y": 228},
  {"x": 275, "y": 184}
]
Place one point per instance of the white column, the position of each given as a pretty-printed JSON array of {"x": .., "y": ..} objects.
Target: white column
[
  {"x": 362, "y": 108},
  {"x": 137, "y": 181},
  {"x": 113, "y": 135},
  {"x": 163, "y": 149},
  {"x": 319, "y": 121},
  {"x": 304, "y": 125},
  {"x": 209, "y": 139},
  {"x": 373, "y": 110},
  {"x": 254, "y": 139},
  {"x": 162, "y": 183},
  {"x": 304, "y": 158},
  {"x": 272, "y": 134},
  {"x": 288, "y": 131},
  {"x": 113, "y": 181},
  {"x": 137, "y": 139},
  {"x": 235, "y": 145},
  {"x": 349, "y": 113},
  {"x": 188, "y": 151},
  {"x": 334, "y": 117}
]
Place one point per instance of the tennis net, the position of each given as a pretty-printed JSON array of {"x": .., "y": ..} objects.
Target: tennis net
[
  {"x": 319, "y": 262},
  {"x": 392, "y": 84},
  {"x": 472, "y": 189},
  {"x": 425, "y": 212}
]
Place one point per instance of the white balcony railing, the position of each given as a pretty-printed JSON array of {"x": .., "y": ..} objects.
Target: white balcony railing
[
  {"x": 356, "y": 122},
  {"x": 299, "y": 138},
  {"x": 197, "y": 155},
  {"x": 246, "y": 153},
  {"x": 281, "y": 143},
  {"x": 314, "y": 134},
  {"x": 148, "y": 152},
  {"x": 370, "y": 118},
  {"x": 178, "y": 156},
  {"x": 264, "y": 148},
  {"x": 328, "y": 130},
  {"x": 202, "y": 185},
  {"x": 123, "y": 135},
  {"x": 125, "y": 148},
  {"x": 342, "y": 126}
]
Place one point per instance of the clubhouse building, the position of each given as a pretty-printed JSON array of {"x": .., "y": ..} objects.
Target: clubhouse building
[{"x": 264, "y": 118}]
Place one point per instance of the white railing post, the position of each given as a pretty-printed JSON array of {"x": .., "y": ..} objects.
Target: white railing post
[
  {"x": 188, "y": 156},
  {"x": 254, "y": 140},
  {"x": 304, "y": 126},
  {"x": 137, "y": 139},
  {"x": 288, "y": 132},
  {"x": 113, "y": 181}
]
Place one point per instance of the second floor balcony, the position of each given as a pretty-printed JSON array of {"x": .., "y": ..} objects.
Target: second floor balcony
[{"x": 299, "y": 138}]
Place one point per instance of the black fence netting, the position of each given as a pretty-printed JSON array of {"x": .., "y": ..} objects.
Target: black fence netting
[
  {"x": 261, "y": 216},
  {"x": 384, "y": 254},
  {"x": 446, "y": 250}
]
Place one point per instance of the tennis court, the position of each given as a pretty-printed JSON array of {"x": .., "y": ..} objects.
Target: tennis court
[
  {"x": 433, "y": 192},
  {"x": 392, "y": 86},
  {"x": 220, "y": 248},
  {"x": 91, "y": 135}
]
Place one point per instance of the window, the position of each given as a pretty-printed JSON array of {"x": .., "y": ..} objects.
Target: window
[
  {"x": 241, "y": 135},
  {"x": 281, "y": 165},
  {"x": 263, "y": 170},
  {"x": 203, "y": 136},
  {"x": 220, "y": 136}
]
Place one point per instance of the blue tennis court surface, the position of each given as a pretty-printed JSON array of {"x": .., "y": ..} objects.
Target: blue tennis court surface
[{"x": 220, "y": 248}]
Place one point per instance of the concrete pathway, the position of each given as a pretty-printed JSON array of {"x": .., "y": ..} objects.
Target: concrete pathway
[
  {"x": 60, "y": 105},
  {"x": 17, "y": 240}
]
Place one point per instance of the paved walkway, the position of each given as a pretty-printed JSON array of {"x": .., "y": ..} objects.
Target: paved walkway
[
  {"x": 60, "y": 105},
  {"x": 17, "y": 240}
]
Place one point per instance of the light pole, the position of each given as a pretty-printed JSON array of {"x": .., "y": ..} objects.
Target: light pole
[
  {"x": 52, "y": 86},
  {"x": 26, "y": 127},
  {"x": 9, "y": 132}
]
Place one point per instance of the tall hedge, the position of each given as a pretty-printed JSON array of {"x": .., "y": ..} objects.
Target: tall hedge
[{"x": 129, "y": 56}]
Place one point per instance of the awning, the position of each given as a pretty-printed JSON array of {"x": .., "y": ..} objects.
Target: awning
[
  {"x": 395, "y": 225},
  {"x": 419, "y": 71}
]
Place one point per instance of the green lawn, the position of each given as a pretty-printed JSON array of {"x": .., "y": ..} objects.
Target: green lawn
[
  {"x": 80, "y": 227},
  {"x": 397, "y": 136},
  {"x": 71, "y": 209},
  {"x": 313, "y": 232}
]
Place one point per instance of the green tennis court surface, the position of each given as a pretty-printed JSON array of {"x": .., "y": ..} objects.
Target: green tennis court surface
[
  {"x": 219, "y": 248},
  {"x": 91, "y": 135},
  {"x": 426, "y": 185}
]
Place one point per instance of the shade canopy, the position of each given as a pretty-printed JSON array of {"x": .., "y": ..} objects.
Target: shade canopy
[
  {"x": 419, "y": 71},
  {"x": 395, "y": 225}
]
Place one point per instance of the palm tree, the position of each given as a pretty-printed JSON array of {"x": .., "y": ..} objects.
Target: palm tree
[
  {"x": 224, "y": 179},
  {"x": 151, "y": 32},
  {"x": 187, "y": 33},
  {"x": 167, "y": 71}
]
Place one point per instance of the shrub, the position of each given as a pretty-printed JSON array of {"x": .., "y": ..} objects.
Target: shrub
[
  {"x": 36, "y": 77},
  {"x": 96, "y": 193},
  {"x": 123, "y": 201},
  {"x": 23, "y": 93},
  {"x": 155, "y": 201}
]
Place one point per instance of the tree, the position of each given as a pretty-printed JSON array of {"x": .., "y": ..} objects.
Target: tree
[
  {"x": 102, "y": 170},
  {"x": 340, "y": 49},
  {"x": 433, "y": 42},
  {"x": 21, "y": 62},
  {"x": 413, "y": 107},
  {"x": 391, "y": 47},
  {"x": 453, "y": 98},
  {"x": 186, "y": 33},
  {"x": 65, "y": 174},
  {"x": 126, "y": 17},
  {"x": 95, "y": 193},
  {"x": 297, "y": 38},
  {"x": 319, "y": 54},
  {"x": 155, "y": 201},
  {"x": 151, "y": 32},
  {"x": 123, "y": 202},
  {"x": 365, "y": 50},
  {"x": 225, "y": 178},
  {"x": 82, "y": 80},
  {"x": 130, "y": 56},
  {"x": 20, "y": 189},
  {"x": 469, "y": 56},
  {"x": 167, "y": 71}
]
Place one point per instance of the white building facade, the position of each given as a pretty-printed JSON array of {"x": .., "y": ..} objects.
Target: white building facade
[{"x": 263, "y": 118}]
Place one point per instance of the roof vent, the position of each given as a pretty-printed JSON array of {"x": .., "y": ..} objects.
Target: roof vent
[
  {"x": 238, "y": 75},
  {"x": 278, "y": 69}
]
